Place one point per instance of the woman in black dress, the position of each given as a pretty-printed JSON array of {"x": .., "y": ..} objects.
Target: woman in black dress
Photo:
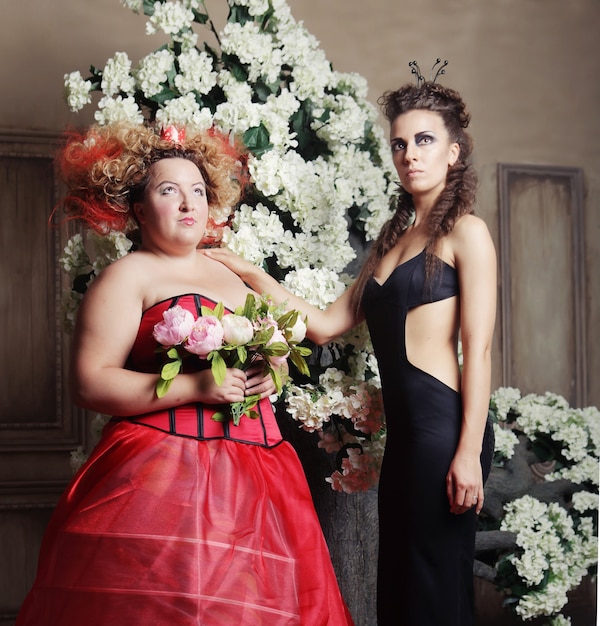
[{"x": 430, "y": 277}]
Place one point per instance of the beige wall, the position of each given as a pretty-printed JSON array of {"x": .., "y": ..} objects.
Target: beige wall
[{"x": 528, "y": 69}]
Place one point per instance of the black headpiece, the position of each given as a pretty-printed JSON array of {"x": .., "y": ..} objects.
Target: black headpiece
[{"x": 420, "y": 79}]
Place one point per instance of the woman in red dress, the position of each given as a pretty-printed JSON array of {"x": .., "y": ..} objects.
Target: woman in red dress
[{"x": 176, "y": 518}]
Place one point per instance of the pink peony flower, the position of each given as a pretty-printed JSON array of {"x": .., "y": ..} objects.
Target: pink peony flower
[
  {"x": 237, "y": 329},
  {"x": 176, "y": 326},
  {"x": 277, "y": 361},
  {"x": 206, "y": 336}
]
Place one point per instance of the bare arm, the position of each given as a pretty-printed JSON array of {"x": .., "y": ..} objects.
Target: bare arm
[
  {"x": 107, "y": 325},
  {"x": 323, "y": 325},
  {"x": 475, "y": 260}
]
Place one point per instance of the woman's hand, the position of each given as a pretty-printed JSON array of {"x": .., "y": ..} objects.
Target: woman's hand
[
  {"x": 464, "y": 484},
  {"x": 258, "y": 382},
  {"x": 232, "y": 389},
  {"x": 235, "y": 263}
]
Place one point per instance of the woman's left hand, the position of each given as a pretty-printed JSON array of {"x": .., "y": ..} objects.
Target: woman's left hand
[
  {"x": 259, "y": 383},
  {"x": 464, "y": 484}
]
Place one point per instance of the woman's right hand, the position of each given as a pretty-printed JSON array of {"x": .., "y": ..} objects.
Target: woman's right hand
[{"x": 232, "y": 389}]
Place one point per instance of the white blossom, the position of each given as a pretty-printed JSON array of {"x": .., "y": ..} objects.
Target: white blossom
[
  {"x": 196, "y": 72},
  {"x": 118, "y": 109},
  {"x": 116, "y": 77},
  {"x": 151, "y": 73},
  {"x": 170, "y": 17},
  {"x": 77, "y": 91},
  {"x": 184, "y": 111}
]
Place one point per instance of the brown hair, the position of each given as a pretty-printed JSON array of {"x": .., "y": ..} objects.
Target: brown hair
[
  {"x": 456, "y": 199},
  {"x": 107, "y": 168}
]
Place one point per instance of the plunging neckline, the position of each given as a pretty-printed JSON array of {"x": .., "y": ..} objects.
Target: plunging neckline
[{"x": 397, "y": 267}]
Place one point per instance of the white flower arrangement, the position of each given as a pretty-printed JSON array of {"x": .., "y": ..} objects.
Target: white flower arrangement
[
  {"x": 309, "y": 130},
  {"x": 556, "y": 541}
]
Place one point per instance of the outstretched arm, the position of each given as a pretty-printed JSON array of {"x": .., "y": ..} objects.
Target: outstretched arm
[{"x": 322, "y": 325}]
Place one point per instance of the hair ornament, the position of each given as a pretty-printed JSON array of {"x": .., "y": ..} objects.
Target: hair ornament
[
  {"x": 173, "y": 134},
  {"x": 420, "y": 79},
  {"x": 440, "y": 71}
]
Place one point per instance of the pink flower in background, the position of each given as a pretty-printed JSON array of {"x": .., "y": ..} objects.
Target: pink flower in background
[
  {"x": 176, "y": 326},
  {"x": 206, "y": 336}
]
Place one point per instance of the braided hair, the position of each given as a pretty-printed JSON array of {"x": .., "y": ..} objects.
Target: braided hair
[{"x": 456, "y": 199}]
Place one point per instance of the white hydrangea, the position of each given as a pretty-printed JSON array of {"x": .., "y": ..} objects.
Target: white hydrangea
[
  {"x": 151, "y": 74},
  {"x": 506, "y": 441},
  {"x": 118, "y": 109},
  {"x": 184, "y": 111},
  {"x": 346, "y": 121},
  {"x": 310, "y": 409},
  {"x": 196, "y": 72},
  {"x": 503, "y": 400},
  {"x": 258, "y": 233},
  {"x": 77, "y": 91},
  {"x": 549, "y": 550},
  {"x": 320, "y": 287},
  {"x": 75, "y": 259},
  {"x": 255, "y": 7},
  {"x": 254, "y": 48},
  {"x": 105, "y": 249},
  {"x": 585, "y": 501},
  {"x": 171, "y": 18},
  {"x": 116, "y": 76}
]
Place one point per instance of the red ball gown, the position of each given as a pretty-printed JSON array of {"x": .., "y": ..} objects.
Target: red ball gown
[{"x": 177, "y": 519}]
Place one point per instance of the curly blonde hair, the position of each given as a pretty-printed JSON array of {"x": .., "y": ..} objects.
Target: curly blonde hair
[{"x": 107, "y": 168}]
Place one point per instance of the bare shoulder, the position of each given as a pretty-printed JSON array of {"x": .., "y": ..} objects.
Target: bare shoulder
[
  {"x": 121, "y": 280},
  {"x": 222, "y": 283},
  {"x": 470, "y": 226},
  {"x": 469, "y": 241}
]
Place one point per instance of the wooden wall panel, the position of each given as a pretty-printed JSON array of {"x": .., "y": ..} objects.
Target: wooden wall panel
[
  {"x": 38, "y": 425},
  {"x": 542, "y": 280}
]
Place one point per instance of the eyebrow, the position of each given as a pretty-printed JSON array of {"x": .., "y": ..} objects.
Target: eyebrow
[
  {"x": 421, "y": 132},
  {"x": 172, "y": 182}
]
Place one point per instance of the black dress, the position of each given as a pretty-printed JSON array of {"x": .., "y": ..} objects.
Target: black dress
[{"x": 426, "y": 553}]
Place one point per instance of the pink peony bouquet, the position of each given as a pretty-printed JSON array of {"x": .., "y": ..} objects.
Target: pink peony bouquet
[{"x": 258, "y": 332}]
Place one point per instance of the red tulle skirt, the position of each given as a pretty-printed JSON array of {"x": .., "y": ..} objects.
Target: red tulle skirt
[{"x": 160, "y": 529}]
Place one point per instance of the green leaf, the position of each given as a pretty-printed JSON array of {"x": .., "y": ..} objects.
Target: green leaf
[
  {"x": 200, "y": 18},
  {"x": 277, "y": 380},
  {"x": 219, "y": 416},
  {"x": 162, "y": 386},
  {"x": 299, "y": 363},
  {"x": 249, "y": 306},
  {"x": 242, "y": 355},
  {"x": 277, "y": 348},
  {"x": 148, "y": 7},
  {"x": 238, "y": 409},
  {"x": 302, "y": 350},
  {"x": 288, "y": 319},
  {"x": 258, "y": 140},
  {"x": 237, "y": 69},
  {"x": 170, "y": 370},
  {"x": 217, "y": 367}
]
